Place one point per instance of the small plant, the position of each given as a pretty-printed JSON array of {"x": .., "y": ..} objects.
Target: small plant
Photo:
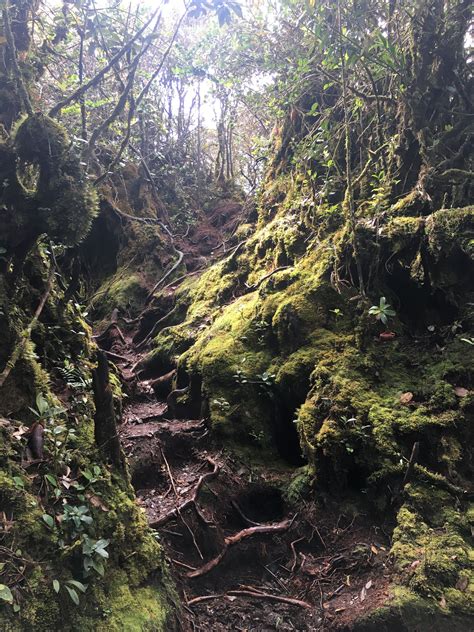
[
  {"x": 222, "y": 404},
  {"x": 383, "y": 311},
  {"x": 44, "y": 410},
  {"x": 94, "y": 553},
  {"x": 78, "y": 517},
  {"x": 71, "y": 586},
  {"x": 73, "y": 376},
  {"x": 257, "y": 436}
]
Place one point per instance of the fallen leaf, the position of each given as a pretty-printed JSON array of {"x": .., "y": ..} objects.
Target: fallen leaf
[
  {"x": 231, "y": 598},
  {"x": 462, "y": 583},
  {"x": 368, "y": 584},
  {"x": 460, "y": 391},
  {"x": 363, "y": 594},
  {"x": 406, "y": 398},
  {"x": 374, "y": 549},
  {"x": 415, "y": 563},
  {"x": 442, "y": 601},
  {"x": 95, "y": 501}
]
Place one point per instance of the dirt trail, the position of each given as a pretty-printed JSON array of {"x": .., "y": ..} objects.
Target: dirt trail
[{"x": 242, "y": 558}]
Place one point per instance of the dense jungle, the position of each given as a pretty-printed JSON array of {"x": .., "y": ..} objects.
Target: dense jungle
[{"x": 236, "y": 316}]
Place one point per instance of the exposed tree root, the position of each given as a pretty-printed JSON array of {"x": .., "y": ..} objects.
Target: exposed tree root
[
  {"x": 255, "y": 286},
  {"x": 234, "y": 539},
  {"x": 165, "y": 276},
  {"x": 250, "y": 592},
  {"x": 175, "y": 513}
]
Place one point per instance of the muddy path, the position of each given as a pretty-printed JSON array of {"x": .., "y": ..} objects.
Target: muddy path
[{"x": 243, "y": 558}]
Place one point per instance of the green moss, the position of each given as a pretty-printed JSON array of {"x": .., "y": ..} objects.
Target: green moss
[
  {"x": 125, "y": 290},
  {"x": 65, "y": 202},
  {"x": 431, "y": 547}
]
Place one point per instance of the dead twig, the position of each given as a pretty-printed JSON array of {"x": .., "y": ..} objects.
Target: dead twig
[
  {"x": 115, "y": 356},
  {"x": 169, "y": 472},
  {"x": 295, "y": 554},
  {"x": 411, "y": 463}
]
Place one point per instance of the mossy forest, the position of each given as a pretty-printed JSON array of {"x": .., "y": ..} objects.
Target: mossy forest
[{"x": 236, "y": 316}]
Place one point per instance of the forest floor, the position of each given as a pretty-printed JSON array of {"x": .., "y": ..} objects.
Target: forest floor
[{"x": 241, "y": 557}]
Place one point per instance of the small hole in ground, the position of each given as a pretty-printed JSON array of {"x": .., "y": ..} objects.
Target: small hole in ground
[
  {"x": 260, "y": 503},
  {"x": 147, "y": 476}
]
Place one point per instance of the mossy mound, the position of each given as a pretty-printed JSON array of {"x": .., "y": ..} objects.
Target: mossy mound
[
  {"x": 45, "y": 189},
  {"x": 291, "y": 360}
]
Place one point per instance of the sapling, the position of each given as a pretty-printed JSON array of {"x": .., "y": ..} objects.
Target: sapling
[{"x": 383, "y": 311}]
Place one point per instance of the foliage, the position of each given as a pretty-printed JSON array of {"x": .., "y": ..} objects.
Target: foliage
[{"x": 383, "y": 311}]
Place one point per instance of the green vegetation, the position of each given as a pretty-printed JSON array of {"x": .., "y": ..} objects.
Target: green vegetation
[{"x": 258, "y": 255}]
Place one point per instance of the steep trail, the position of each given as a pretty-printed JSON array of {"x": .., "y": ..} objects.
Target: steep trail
[{"x": 242, "y": 557}]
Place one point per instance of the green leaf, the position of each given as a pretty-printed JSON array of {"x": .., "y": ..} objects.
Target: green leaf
[
  {"x": 19, "y": 482},
  {"x": 56, "y": 585},
  {"x": 73, "y": 594},
  {"x": 49, "y": 520},
  {"x": 41, "y": 404},
  {"x": 73, "y": 582},
  {"x": 6, "y": 594},
  {"x": 51, "y": 479}
]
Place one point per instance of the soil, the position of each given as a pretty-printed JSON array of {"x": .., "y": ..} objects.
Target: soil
[{"x": 242, "y": 557}]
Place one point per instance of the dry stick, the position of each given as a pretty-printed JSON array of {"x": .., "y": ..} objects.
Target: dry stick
[
  {"x": 411, "y": 463},
  {"x": 169, "y": 472},
  {"x": 115, "y": 356},
  {"x": 26, "y": 333},
  {"x": 182, "y": 278},
  {"x": 96, "y": 78},
  {"x": 190, "y": 501},
  {"x": 295, "y": 554},
  {"x": 113, "y": 325},
  {"x": 16, "y": 68},
  {"x": 190, "y": 568},
  {"x": 252, "y": 590},
  {"x": 191, "y": 532},
  {"x": 234, "y": 539}
]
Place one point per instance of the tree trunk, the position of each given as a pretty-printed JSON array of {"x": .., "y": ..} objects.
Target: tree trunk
[{"x": 105, "y": 425}]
